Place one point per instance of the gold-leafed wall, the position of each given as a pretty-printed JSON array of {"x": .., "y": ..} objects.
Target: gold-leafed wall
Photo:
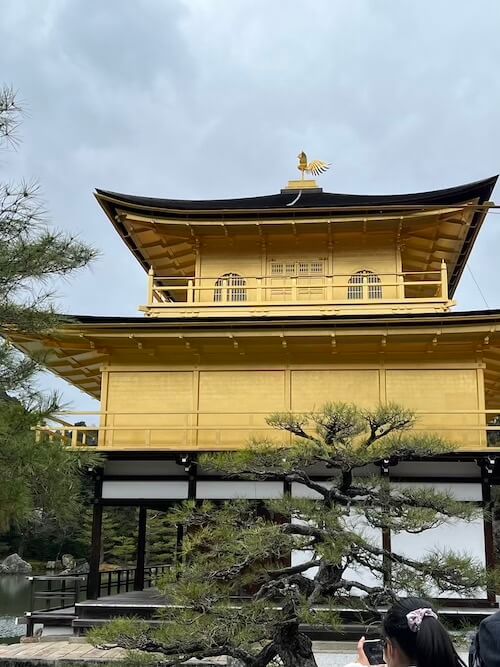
[
  {"x": 440, "y": 389},
  {"x": 210, "y": 407}
]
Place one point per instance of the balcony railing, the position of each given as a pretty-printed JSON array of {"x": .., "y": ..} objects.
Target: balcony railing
[
  {"x": 213, "y": 431},
  {"x": 60, "y": 593},
  {"x": 348, "y": 291}
]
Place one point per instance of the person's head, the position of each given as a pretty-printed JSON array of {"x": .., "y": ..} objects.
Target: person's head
[{"x": 415, "y": 636}]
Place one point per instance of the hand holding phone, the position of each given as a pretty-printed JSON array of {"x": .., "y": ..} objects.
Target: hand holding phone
[{"x": 373, "y": 650}]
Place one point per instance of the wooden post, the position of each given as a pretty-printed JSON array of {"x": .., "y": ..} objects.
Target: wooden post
[
  {"x": 329, "y": 288},
  {"x": 95, "y": 552},
  {"x": 141, "y": 550},
  {"x": 258, "y": 296},
  {"x": 386, "y": 534},
  {"x": 151, "y": 278},
  {"x": 190, "y": 293},
  {"x": 93, "y": 578},
  {"x": 489, "y": 541},
  {"x": 444, "y": 280},
  {"x": 400, "y": 285}
]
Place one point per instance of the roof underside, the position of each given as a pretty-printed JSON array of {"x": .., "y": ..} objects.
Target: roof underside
[
  {"x": 78, "y": 351},
  {"x": 431, "y": 226}
]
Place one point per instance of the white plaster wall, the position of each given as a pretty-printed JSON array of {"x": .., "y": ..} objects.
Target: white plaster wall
[
  {"x": 460, "y": 490},
  {"x": 459, "y": 536},
  {"x": 466, "y": 537},
  {"x": 151, "y": 490},
  {"x": 217, "y": 490},
  {"x": 301, "y": 491}
]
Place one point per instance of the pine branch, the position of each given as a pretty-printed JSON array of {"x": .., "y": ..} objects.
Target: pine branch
[
  {"x": 231, "y": 547},
  {"x": 305, "y": 530},
  {"x": 294, "y": 569}
]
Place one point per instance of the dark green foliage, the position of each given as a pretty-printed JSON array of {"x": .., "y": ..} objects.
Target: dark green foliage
[
  {"x": 237, "y": 593},
  {"x": 119, "y": 536},
  {"x": 161, "y": 538},
  {"x": 41, "y": 484},
  {"x": 42, "y": 538}
]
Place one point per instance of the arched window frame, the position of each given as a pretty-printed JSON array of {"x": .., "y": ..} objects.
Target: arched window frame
[
  {"x": 230, "y": 287},
  {"x": 364, "y": 284}
]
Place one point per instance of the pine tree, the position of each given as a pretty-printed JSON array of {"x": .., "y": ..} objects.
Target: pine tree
[
  {"x": 41, "y": 478},
  {"x": 119, "y": 535},
  {"x": 233, "y": 546},
  {"x": 161, "y": 538}
]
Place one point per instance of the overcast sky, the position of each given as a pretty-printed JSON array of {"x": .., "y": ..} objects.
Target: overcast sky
[{"x": 214, "y": 98}]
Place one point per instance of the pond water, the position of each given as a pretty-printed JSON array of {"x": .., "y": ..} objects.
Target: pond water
[{"x": 14, "y": 601}]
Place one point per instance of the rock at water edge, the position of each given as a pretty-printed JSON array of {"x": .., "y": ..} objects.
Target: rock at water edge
[{"x": 14, "y": 564}]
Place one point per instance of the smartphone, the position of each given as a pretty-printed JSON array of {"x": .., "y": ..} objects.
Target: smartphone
[{"x": 374, "y": 651}]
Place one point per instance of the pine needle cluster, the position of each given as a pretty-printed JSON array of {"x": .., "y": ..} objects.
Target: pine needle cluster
[{"x": 36, "y": 482}]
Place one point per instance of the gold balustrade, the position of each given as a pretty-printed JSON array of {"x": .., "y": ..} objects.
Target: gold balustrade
[
  {"x": 207, "y": 431},
  {"x": 350, "y": 290}
]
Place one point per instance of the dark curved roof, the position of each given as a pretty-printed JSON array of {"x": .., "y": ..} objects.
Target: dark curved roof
[
  {"x": 474, "y": 317},
  {"x": 312, "y": 199}
]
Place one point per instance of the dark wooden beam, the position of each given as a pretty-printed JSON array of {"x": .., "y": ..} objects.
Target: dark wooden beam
[
  {"x": 93, "y": 579},
  {"x": 191, "y": 467},
  {"x": 141, "y": 550},
  {"x": 489, "y": 540},
  {"x": 386, "y": 534}
]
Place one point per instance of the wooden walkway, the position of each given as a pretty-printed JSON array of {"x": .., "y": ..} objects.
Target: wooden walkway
[
  {"x": 62, "y": 653},
  {"x": 57, "y": 653}
]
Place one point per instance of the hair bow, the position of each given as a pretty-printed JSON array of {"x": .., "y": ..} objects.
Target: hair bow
[{"x": 416, "y": 617}]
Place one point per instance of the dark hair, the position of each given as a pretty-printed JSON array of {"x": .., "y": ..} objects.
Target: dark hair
[{"x": 430, "y": 646}]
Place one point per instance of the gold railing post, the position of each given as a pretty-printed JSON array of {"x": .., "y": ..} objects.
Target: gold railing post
[
  {"x": 400, "y": 289},
  {"x": 444, "y": 280},
  {"x": 224, "y": 290},
  {"x": 329, "y": 283},
  {"x": 190, "y": 298},
  {"x": 74, "y": 437},
  {"x": 151, "y": 279},
  {"x": 294, "y": 288},
  {"x": 259, "y": 288}
]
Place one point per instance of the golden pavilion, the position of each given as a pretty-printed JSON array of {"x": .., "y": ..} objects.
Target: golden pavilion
[{"x": 283, "y": 302}]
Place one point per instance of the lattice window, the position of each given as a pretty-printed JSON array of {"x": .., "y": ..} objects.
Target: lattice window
[
  {"x": 232, "y": 286},
  {"x": 364, "y": 285},
  {"x": 299, "y": 268},
  {"x": 300, "y": 279}
]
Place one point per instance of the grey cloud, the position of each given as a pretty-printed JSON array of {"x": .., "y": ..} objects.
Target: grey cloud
[{"x": 213, "y": 98}]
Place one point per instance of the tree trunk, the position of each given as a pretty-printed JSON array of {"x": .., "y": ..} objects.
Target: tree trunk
[{"x": 295, "y": 650}]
